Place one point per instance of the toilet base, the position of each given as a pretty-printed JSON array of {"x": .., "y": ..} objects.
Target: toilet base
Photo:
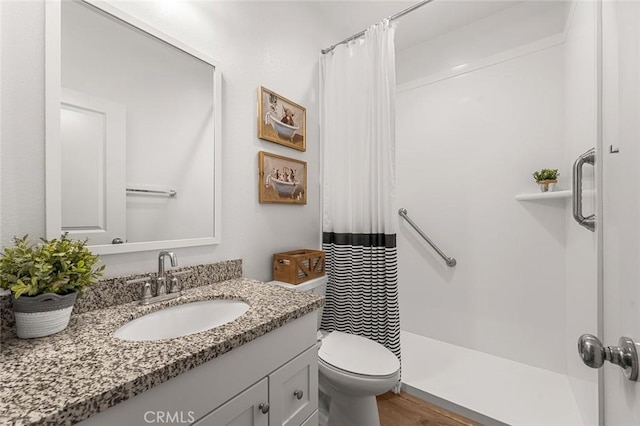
[
  {"x": 347, "y": 410},
  {"x": 324, "y": 402}
]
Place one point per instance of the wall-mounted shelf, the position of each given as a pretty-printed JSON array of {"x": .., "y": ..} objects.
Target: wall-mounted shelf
[{"x": 544, "y": 195}]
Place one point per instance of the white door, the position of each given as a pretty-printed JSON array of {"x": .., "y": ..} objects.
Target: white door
[
  {"x": 93, "y": 143},
  {"x": 620, "y": 161}
]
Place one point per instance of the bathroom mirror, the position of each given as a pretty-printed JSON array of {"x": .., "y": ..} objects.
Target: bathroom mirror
[{"x": 132, "y": 133}]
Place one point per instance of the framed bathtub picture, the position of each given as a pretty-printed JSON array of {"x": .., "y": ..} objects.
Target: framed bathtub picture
[
  {"x": 281, "y": 179},
  {"x": 281, "y": 121}
]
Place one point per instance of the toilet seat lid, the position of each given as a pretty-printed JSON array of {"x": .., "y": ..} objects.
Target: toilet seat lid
[{"x": 357, "y": 355}]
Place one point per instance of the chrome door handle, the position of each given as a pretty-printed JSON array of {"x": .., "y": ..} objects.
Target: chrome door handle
[
  {"x": 264, "y": 407},
  {"x": 594, "y": 354},
  {"x": 298, "y": 394},
  {"x": 588, "y": 222}
]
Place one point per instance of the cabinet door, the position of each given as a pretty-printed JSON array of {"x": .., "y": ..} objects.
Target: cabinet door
[
  {"x": 312, "y": 420},
  {"x": 243, "y": 410},
  {"x": 293, "y": 390}
]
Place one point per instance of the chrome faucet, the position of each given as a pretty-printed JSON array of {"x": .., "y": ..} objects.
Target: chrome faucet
[
  {"x": 162, "y": 293},
  {"x": 161, "y": 279}
]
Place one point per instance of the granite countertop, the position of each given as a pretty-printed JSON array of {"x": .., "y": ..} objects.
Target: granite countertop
[{"x": 66, "y": 377}]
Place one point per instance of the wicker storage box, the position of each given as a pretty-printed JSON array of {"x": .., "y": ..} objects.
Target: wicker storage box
[{"x": 298, "y": 266}]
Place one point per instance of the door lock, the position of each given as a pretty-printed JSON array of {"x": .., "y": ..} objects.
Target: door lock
[{"x": 594, "y": 354}]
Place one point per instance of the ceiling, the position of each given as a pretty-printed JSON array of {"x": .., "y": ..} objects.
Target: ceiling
[
  {"x": 347, "y": 17},
  {"x": 428, "y": 21},
  {"x": 344, "y": 18}
]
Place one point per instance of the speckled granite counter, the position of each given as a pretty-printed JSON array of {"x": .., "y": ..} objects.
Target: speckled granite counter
[{"x": 64, "y": 378}]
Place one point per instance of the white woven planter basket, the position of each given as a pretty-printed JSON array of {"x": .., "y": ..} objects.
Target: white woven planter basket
[
  {"x": 39, "y": 324},
  {"x": 42, "y": 315}
]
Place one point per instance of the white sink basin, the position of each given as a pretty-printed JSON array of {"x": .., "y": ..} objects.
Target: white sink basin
[{"x": 182, "y": 320}]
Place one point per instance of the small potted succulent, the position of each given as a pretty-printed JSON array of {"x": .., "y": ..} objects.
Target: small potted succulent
[
  {"x": 45, "y": 279},
  {"x": 547, "y": 179}
]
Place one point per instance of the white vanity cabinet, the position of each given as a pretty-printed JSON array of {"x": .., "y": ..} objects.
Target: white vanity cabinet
[
  {"x": 279, "y": 368},
  {"x": 287, "y": 397}
]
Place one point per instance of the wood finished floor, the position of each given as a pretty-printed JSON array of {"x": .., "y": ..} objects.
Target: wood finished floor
[{"x": 406, "y": 410}]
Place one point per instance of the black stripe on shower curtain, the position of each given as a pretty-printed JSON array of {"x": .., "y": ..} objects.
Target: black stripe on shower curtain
[{"x": 362, "y": 292}]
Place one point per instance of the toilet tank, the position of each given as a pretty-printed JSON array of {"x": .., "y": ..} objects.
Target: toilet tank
[{"x": 316, "y": 286}]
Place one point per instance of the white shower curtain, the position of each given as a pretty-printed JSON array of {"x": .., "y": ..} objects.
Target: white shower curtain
[{"x": 357, "y": 126}]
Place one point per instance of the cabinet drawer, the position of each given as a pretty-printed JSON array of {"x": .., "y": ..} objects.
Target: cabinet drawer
[{"x": 293, "y": 390}]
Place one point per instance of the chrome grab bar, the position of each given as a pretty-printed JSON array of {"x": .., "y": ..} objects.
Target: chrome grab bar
[
  {"x": 451, "y": 262},
  {"x": 588, "y": 222}
]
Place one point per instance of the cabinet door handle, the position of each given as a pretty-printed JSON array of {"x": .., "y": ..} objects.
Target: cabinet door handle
[
  {"x": 298, "y": 394},
  {"x": 264, "y": 407}
]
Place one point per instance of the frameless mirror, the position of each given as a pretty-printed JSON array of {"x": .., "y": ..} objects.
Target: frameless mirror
[{"x": 132, "y": 133}]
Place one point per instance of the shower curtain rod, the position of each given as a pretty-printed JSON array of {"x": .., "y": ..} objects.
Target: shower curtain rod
[{"x": 391, "y": 18}]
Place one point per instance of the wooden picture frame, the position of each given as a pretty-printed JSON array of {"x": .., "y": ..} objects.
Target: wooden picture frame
[
  {"x": 281, "y": 121},
  {"x": 281, "y": 179}
]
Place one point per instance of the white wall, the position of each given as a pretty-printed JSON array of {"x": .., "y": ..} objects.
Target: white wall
[
  {"x": 22, "y": 116},
  {"x": 1, "y": 111},
  {"x": 251, "y": 51},
  {"x": 466, "y": 146},
  {"x": 580, "y": 77},
  {"x": 468, "y": 141}
]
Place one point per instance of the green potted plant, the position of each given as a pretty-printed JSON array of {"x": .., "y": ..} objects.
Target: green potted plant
[
  {"x": 45, "y": 279},
  {"x": 547, "y": 179}
]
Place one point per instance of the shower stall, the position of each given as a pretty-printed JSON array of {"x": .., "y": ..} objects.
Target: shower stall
[{"x": 480, "y": 107}]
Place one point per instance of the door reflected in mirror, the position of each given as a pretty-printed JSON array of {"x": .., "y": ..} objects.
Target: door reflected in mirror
[{"x": 138, "y": 142}]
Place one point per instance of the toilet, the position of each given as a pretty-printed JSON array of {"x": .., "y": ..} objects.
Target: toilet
[{"x": 352, "y": 370}]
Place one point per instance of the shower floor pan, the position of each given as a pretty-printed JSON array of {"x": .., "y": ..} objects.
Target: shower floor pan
[{"x": 485, "y": 388}]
